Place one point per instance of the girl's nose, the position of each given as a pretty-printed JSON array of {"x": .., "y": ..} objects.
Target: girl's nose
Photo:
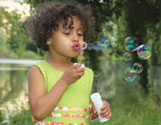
[{"x": 75, "y": 37}]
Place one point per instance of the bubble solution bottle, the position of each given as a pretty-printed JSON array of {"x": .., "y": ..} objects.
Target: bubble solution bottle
[{"x": 97, "y": 101}]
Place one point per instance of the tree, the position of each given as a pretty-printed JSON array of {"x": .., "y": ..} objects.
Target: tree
[{"x": 16, "y": 38}]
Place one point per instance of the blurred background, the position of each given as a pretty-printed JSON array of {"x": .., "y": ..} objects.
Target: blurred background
[{"x": 133, "y": 102}]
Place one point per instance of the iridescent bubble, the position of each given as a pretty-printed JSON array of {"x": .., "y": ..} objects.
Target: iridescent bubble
[
  {"x": 113, "y": 42},
  {"x": 131, "y": 44},
  {"x": 103, "y": 43},
  {"x": 129, "y": 75},
  {"x": 143, "y": 52},
  {"x": 137, "y": 67},
  {"x": 90, "y": 46},
  {"x": 95, "y": 46},
  {"x": 127, "y": 56}
]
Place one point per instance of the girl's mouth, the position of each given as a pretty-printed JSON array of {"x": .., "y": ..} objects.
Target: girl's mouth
[{"x": 76, "y": 46}]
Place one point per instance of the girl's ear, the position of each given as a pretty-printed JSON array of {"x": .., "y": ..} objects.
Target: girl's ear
[{"x": 48, "y": 42}]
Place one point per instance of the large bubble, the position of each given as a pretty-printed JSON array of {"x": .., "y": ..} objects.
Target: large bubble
[
  {"x": 130, "y": 75},
  {"x": 131, "y": 44},
  {"x": 127, "y": 56},
  {"x": 143, "y": 52},
  {"x": 103, "y": 43},
  {"x": 90, "y": 46},
  {"x": 94, "y": 45},
  {"x": 137, "y": 67}
]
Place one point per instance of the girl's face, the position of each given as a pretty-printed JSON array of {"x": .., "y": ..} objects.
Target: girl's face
[{"x": 66, "y": 41}]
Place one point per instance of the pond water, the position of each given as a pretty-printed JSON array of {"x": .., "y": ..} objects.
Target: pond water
[{"x": 14, "y": 84}]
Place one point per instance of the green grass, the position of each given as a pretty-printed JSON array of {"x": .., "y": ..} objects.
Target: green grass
[{"x": 143, "y": 112}]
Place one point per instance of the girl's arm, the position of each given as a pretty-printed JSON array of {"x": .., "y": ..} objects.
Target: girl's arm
[{"x": 41, "y": 103}]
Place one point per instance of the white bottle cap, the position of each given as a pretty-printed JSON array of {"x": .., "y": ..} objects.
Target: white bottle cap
[{"x": 82, "y": 65}]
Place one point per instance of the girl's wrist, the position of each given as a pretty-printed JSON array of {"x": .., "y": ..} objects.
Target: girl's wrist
[{"x": 65, "y": 82}]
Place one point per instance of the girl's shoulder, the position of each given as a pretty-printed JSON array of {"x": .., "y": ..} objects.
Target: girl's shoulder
[
  {"x": 89, "y": 71},
  {"x": 42, "y": 62},
  {"x": 38, "y": 67}
]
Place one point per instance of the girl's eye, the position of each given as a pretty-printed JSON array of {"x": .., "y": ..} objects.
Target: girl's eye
[
  {"x": 67, "y": 33},
  {"x": 80, "y": 34}
]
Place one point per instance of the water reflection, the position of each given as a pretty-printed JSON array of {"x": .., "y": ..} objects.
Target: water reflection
[
  {"x": 13, "y": 77},
  {"x": 14, "y": 84}
]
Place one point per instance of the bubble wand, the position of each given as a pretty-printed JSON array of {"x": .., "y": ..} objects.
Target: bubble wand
[{"x": 83, "y": 46}]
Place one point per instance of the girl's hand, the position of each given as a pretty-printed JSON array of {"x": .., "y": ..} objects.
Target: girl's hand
[
  {"x": 92, "y": 111},
  {"x": 73, "y": 73},
  {"x": 105, "y": 110}
]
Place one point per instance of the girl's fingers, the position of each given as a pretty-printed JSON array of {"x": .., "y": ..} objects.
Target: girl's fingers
[
  {"x": 105, "y": 105},
  {"x": 109, "y": 115},
  {"x": 106, "y": 111},
  {"x": 75, "y": 66},
  {"x": 81, "y": 69},
  {"x": 105, "y": 114},
  {"x": 80, "y": 74}
]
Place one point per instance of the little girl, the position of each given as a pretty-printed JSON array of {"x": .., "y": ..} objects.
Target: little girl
[{"x": 59, "y": 91}]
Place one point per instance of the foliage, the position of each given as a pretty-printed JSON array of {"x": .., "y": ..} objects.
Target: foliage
[
  {"x": 5, "y": 47},
  {"x": 14, "y": 36},
  {"x": 1, "y": 116},
  {"x": 22, "y": 118}
]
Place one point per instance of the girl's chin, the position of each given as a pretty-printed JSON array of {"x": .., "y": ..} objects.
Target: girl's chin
[{"x": 74, "y": 55}]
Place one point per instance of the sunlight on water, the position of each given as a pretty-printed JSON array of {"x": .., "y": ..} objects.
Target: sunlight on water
[{"x": 18, "y": 61}]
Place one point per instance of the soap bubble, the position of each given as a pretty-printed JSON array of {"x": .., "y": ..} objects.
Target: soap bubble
[
  {"x": 90, "y": 46},
  {"x": 127, "y": 56},
  {"x": 143, "y": 52},
  {"x": 130, "y": 75},
  {"x": 95, "y": 46},
  {"x": 137, "y": 67},
  {"x": 103, "y": 43},
  {"x": 83, "y": 45},
  {"x": 131, "y": 44}
]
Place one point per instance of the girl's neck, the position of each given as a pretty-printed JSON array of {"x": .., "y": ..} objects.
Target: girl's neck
[{"x": 60, "y": 64}]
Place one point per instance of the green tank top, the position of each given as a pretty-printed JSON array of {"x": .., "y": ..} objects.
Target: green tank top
[{"x": 73, "y": 107}]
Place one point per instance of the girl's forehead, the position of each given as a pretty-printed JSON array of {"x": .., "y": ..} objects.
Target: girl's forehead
[{"x": 70, "y": 23}]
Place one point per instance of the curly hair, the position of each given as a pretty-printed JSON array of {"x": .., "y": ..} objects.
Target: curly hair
[{"x": 47, "y": 16}]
